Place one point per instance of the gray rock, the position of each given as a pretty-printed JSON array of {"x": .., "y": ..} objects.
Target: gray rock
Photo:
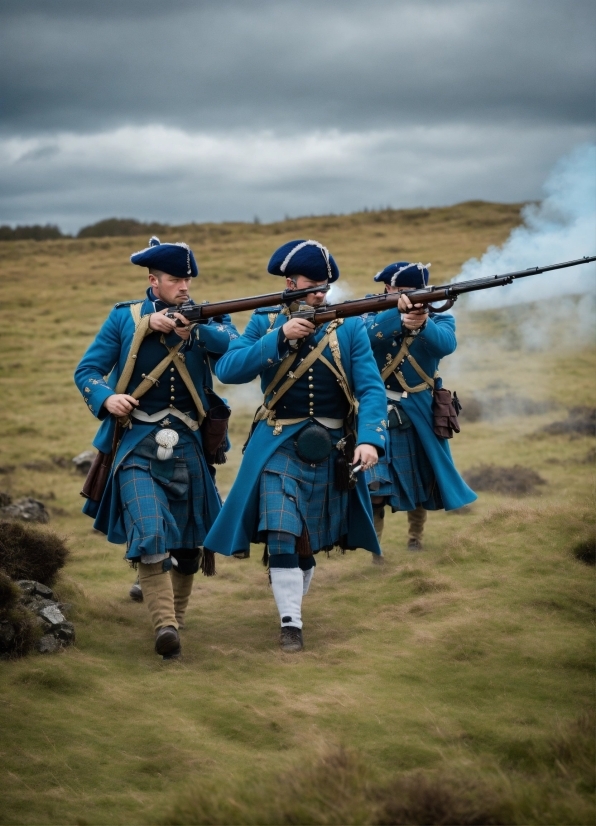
[
  {"x": 26, "y": 509},
  {"x": 43, "y": 591},
  {"x": 52, "y": 614},
  {"x": 66, "y": 632},
  {"x": 65, "y": 607},
  {"x": 84, "y": 460},
  {"x": 48, "y": 644},
  {"x": 27, "y": 586},
  {"x": 37, "y": 603}
]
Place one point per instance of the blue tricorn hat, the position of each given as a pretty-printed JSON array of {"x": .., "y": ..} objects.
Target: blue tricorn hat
[
  {"x": 404, "y": 274},
  {"x": 173, "y": 259},
  {"x": 307, "y": 258}
]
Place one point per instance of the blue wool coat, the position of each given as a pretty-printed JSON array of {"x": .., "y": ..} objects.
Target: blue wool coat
[
  {"x": 428, "y": 348},
  {"x": 96, "y": 377},
  {"x": 256, "y": 353}
]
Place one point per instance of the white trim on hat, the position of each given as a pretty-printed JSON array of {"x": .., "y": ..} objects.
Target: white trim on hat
[
  {"x": 324, "y": 251},
  {"x": 420, "y": 266}
]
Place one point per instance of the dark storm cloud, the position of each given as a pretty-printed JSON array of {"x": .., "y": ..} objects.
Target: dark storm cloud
[
  {"x": 188, "y": 110},
  {"x": 89, "y": 66}
]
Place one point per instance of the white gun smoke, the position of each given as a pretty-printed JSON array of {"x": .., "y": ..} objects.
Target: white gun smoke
[{"x": 560, "y": 228}]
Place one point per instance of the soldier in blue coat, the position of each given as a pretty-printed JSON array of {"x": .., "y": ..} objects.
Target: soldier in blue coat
[
  {"x": 155, "y": 378},
  {"x": 417, "y": 472},
  {"x": 293, "y": 491}
]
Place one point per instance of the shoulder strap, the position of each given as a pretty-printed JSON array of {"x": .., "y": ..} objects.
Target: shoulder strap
[
  {"x": 403, "y": 351},
  {"x": 141, "y": 330},
  {"x": 190, "y": 385},
  {"x": 300, "y": 370},
  {"x": 339, "y": 373},
  {"x": 393, "y": 367}
]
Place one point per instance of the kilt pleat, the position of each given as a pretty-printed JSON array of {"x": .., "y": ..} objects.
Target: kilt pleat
[
  {"x": 294, "y": 494},
  {"x": 404, "y": 475},
  {"x": 154, "y": 523}
]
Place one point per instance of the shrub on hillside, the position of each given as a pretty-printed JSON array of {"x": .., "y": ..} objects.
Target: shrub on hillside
[
  {"x": 18, "y": 627},
  {"x": 30, "y": 553}
]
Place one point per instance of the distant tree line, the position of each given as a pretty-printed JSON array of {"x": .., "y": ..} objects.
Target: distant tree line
[
  {"x": 34, "y": 232},
  {"x": 110, "y": 227}
]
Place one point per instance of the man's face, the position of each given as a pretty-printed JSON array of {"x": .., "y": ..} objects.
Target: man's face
[
  {"x": 390, "y": 289},
  {"x": 301, "y": 282},
  {"x": 170, "y": 289}
]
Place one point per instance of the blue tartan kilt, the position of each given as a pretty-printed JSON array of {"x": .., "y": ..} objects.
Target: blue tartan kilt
[
  {"x": 154, "y": 523},
  {"x": 404, "y": 475},
  {"x": 294, "y": 494}
]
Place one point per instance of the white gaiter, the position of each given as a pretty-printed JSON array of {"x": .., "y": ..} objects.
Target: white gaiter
[
  {"x": 287, "y": 585},
  {"x": 307, "y": 577}
]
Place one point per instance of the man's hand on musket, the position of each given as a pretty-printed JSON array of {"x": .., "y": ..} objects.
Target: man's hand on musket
[
  {"x": 120, "y": 404},
  {"x": 413, "y": 315},
  {"x": 159, "y": 322},
  {"x": 297, "y": 328}
]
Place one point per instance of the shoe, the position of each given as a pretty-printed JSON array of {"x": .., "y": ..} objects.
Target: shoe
[
  {"x": 291, "y": 639},
  {"x": 415, "y": 545},
  {"x": 241, "y": 554},
  {"x": 167, "y": 642},
  {"x": 135, "y": 592}
]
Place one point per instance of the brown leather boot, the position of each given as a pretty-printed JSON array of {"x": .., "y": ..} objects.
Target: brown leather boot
[
  {"x": 158, "y": 595},
  {"x": 416, "y": 520},
  {"x": 182, "y": 587}
]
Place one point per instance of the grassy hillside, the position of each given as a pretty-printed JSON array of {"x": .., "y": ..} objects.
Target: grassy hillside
[{"x": 450, "y": 686}]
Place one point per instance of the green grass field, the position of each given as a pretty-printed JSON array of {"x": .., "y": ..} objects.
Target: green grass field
[{"x": 454, "y": 686}]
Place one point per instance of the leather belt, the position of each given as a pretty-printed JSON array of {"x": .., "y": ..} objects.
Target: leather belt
[
  {"x": 161, "y": 414},
  {"x": 330, "y": 424},
  {"x": 395, "y": 395}
]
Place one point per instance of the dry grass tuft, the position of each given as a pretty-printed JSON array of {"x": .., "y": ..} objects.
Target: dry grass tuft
[
  {"x": 581, "y": 421},
  {"x": 585, "y": 550},
  {"x": 30, "y": 553},
  {"x": 512, "y": 481},
  {"x": 421, "y": 799}
]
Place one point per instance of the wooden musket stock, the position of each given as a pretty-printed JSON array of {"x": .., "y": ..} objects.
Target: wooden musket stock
[{"x": 198, "y": 312}]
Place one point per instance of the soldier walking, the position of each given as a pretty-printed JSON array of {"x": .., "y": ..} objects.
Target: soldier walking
[
  {"x": 292, "y": 489},
  {"x": 160, "y": 497},
  {"x": 417, "y": 472}
]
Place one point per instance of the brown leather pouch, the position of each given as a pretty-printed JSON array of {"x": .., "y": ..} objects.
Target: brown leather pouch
[
  {"x": 99, "y": 472},
  {"x": 214, "y": 429},
  {"x": 445, "y": 408}
]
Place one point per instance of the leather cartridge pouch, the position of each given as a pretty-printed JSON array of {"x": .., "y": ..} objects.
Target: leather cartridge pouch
[
  {"x": 99, "y": 472},
  {"x": 445, "y": 408},
  {"x": 313, "y": 444},
  {"x": 214, "y": 429}
]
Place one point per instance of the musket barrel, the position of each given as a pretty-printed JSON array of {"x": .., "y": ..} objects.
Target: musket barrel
[{"x": 428, "y": 295}]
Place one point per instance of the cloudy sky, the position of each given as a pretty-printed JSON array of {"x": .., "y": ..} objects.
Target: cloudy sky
[{"x": 210, "y": 110}]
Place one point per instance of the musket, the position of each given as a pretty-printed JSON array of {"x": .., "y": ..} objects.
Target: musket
[
  {"x": 201, "y": 312},
  {"x": 425, "y": 296}
]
